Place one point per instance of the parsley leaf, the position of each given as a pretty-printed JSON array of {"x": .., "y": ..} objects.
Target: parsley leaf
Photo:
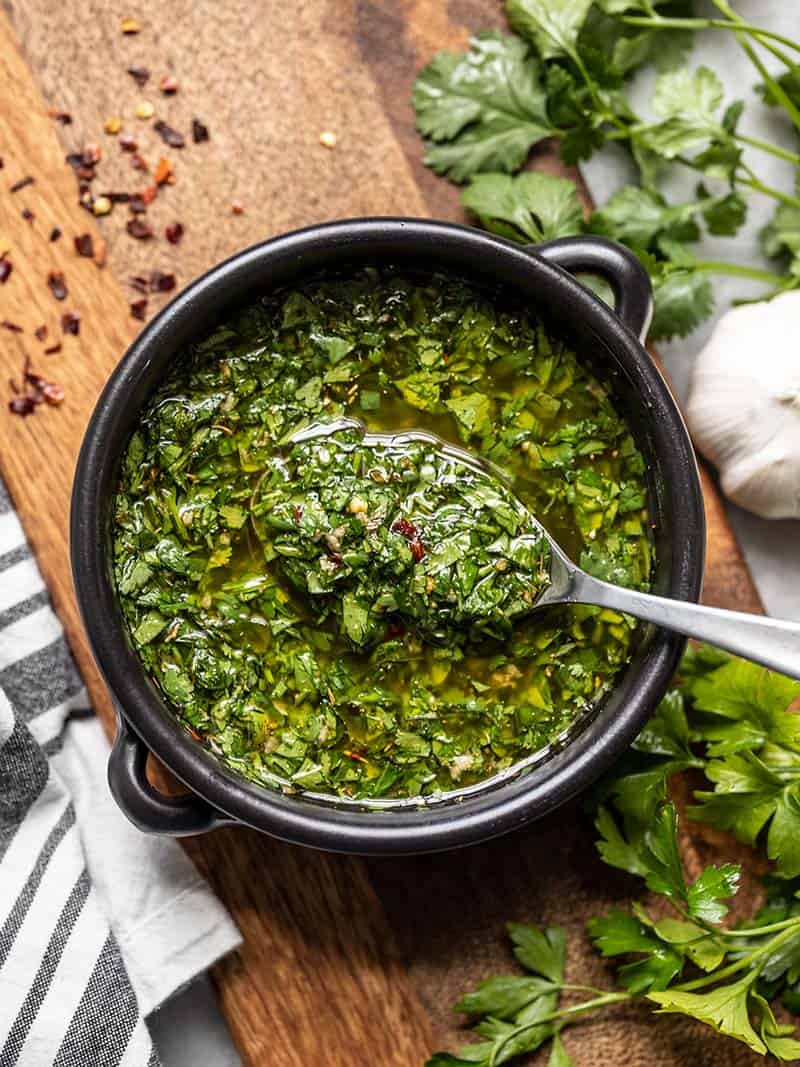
[
  {"x": 726, "y": 1009},
  {"x": 552, "y": 25},
  {"x": 532, "y": 206},
  {"x": 482, "y": 110}
]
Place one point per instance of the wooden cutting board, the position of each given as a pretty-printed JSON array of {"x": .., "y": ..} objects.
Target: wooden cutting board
[{"x": 345, "y": 961}]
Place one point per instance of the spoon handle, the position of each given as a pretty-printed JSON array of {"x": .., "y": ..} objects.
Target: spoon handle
[{"x": 771, "y": 642}]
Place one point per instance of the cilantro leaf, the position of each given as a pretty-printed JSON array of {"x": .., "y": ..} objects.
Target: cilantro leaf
[
  {"x": 747, "y": 706},
  {"x": 473, "y": 412},
  {"x": 638, "y": 216},
  {"x": 482, "y": 110},
  {"x": 683, "y": 298},
  {"x": 688, "y": 103},
  {"x": 726, "y": 215},
  {"x": 503, "y": 996},
  {"x": 552, "y": 25},
  {"x": 725, "y": 1009},
  {"x": 531, "y": 206},
  {"x": 780, "y": 238},
  {"x": 542, "y": 951}
]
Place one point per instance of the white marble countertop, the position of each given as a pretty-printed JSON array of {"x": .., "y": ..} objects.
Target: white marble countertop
[{"x": 190, "y": 1030}]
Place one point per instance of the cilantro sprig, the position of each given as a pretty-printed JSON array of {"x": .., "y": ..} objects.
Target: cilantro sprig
[
  {"x": 564, "y": 74},
  {"x": 724, "y": 719}
]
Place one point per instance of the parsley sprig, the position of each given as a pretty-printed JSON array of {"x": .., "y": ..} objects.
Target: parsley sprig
[
  {"x": 563, "y": 74},
  {"x": 732, "y": 722}
]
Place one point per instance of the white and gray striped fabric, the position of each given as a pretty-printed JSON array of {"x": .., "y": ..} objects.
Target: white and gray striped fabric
[{"x": 98, "y": 923}]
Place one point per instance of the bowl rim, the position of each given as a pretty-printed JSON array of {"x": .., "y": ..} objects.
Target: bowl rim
[{"x": 295, "y": 818}]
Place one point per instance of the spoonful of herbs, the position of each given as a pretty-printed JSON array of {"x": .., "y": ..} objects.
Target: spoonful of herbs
[{"x": 387, "y": 532}]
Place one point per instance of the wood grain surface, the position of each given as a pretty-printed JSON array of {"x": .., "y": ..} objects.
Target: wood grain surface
[{"x": 345, "y": 962}]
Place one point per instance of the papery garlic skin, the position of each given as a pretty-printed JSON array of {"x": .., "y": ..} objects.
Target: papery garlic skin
[{"x": 744, "y": 405}]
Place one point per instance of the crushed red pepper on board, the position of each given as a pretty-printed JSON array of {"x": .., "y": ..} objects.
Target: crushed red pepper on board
[
  {"x": 140, "y": 283},
  {"x": 71, "y": 323},
  {"x": 23, "y": 183},
  {"x": 160, "y": 282},
  {"x": 37, "y": 390},
  {"x": 51, "y": 351},
  {"x": 40, "y": 333},
  {"x": 55, "y": 233},
  {"x": 28, "y": 215},
  {"x": 163, "y": 173},
  {"x": 63, "y": 117},
  {"x": 11, "y": 326},
  {"x": 84, "y": 245},
  {"x": 6, "y": 268},
  {"x": 100, "y": 252},
  {"x": 139, "y": 229},
  {"x": 139, "y": 309},
  {"x": 138, "y": 162},
  {"x": 168, "y": 135},
  {"x": 237, "y": 208},
  {"x": 168, "y": 85},
  {"x": 200, "y": 132},
  {"x": 137, "y": 205},
  {"x": 140, "y": 74},
  {"x": 127, "y": 143},
  {"x": 174, "y": 233},
  {"x": 57, "y": 284}
]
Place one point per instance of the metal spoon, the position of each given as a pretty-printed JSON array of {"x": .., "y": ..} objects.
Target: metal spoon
[{"x": 771, "y": 642}]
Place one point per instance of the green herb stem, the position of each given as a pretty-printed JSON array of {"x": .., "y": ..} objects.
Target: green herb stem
[
  {"x": 565, "y": 1013},
  {"x": 736, "y": 270},
  {"x": 758, "y": 931},
  {"x": 761, "y": 37},
  {"x": 662, "y": 23},
  {"x": 777, "y": 90},
  {"x": 761, "y": 187},
  {"x": 740, "y": 965},
  {"x": 774, "y": 150}
]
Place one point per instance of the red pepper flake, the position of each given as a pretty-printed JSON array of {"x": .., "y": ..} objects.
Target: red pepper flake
[
  {"x": 22, "y": 183},
  {"x": 140, "y": 284},
  {"x": 137, "y": 204},
  {"x": 100, "y": 252},
  {"x": 138, "y": 162},
  {"x": 395, "y": 630},
  {"x": 12, "y": 326},
  {"x": 51, "y": 351},
  {"x": 237, "y": 208},
  {"x": 63, "y": 117},
  {"x": 71, "y": 322},
  {"x": 84, "y": 245},
  {"x": 168, "y": 85},
  {"x": 37, "y": 390},
  {"x": 139, "y": 309},
  {"x": 355, "y": 756},
  {"x": 140, "y": 74},
  {"x": 174, "y": 233},
  {"x": 168, "y": 135},
  {"x": 92, "y": 153},
  {"x": 160, "y": 282},
  {"x": 58, "y": 285},
  {"x": 127, "y": 143},
  {"x": 149, "y": 194},
  {"x": 40, "y": 333},
  {"x": 22, "y": 405},
  {"x": 5, "y": 270},
  {"x": 163, "y": 172},
  {"x": 139, "y": 229},
  {"x": 118, "y": 198},
  {"x": 199, "y": 131},
  {"x": 410, "y": 532},
  {"x": 297, "y": 513},
  {"x": 28, "y": 215},
  {"x": 55, "y": 233}
]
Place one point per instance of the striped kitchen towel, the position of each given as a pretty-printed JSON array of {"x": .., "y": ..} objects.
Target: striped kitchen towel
[{"x": 99, "y": 924}]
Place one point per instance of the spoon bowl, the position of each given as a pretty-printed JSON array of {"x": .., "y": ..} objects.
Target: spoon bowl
[{"x": 771, "y": 642}]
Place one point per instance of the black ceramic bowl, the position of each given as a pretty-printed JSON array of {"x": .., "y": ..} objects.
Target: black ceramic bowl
[{"x": 609, "y": 341}]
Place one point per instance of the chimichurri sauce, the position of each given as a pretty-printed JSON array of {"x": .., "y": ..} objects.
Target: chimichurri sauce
[{"x": 324, "y": 619}]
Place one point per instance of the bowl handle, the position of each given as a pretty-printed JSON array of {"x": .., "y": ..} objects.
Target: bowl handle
[
  {"x": 615, "y": 264},
  {"x": 148, "y": 809}
]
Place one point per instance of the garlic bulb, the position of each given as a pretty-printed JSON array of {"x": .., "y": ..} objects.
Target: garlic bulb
[{"x": 744, "y": 405}]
